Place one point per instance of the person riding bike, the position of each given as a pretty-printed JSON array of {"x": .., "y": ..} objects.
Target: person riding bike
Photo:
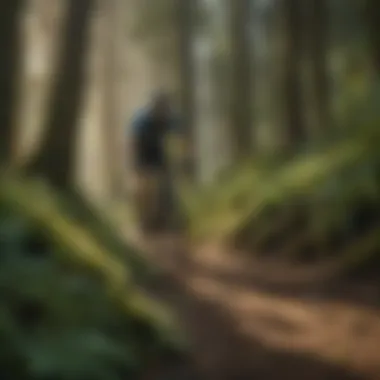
[{"x": 150, "y": 127}]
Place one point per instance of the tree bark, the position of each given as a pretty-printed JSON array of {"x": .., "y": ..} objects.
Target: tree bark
[
  {"x": 185, "y": 12},
  {"x": 373, "y": 20},
  {"x": 10, "y": 14},
  {"x": 294, "y": 120},
  {"x": 54, "y": 161},
  {"x": 318, "y": 45},
  {"x": 112, "y": 49},
  {"x": 241, "y": 75}
]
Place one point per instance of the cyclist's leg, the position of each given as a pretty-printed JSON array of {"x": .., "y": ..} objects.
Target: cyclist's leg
[
  {"x": 154, "y": 200},
  {"x": 149, "y": 198},
  {"x": 142, "y": 196},
  {"x": 163, "y": 197},
  {"x": 145, "y": 169}
]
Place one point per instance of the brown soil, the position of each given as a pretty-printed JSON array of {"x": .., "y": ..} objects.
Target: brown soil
[{"x": 250, "y": 320}]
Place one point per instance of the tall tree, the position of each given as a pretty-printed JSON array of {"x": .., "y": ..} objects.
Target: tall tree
[
  {"x": 185, "y": 27},
  {"x": 112, "y": 50},
  {"x": 55, "y": 158},
  {"x": 10, "y": 14},
  {"x": 318, "y": 33},
  {"x": 373, "y": 17},
  {"x": 294, "y": 119},
  {"x": 241, "y": 75}
]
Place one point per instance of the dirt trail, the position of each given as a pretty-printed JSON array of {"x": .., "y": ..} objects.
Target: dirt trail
[{"x": 244, "y": 329}]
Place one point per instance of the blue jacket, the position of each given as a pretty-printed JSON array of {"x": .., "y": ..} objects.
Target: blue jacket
[
  {"x": 143, "y": 120},
  {"x": 149, "y": 135}
]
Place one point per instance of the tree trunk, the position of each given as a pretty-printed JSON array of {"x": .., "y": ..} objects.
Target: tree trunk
[
  {"x": 318, "y": 21},
  {"x": 10, "y": 12},
  {"x": 55, "y": 159},
  {"x": 373, "y": 19},
  {"x": 112, "y": 49},
  {"x": 241, "y": 75},
  {"x": 186, "y": 74},
  {"x": 294, "y": 118}
]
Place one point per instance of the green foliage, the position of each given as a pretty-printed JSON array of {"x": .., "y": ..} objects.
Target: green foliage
[
  {"x": 105, "y": 231},
  {"x": 307, "y": 201},
  {"x": 69, "y": 309},
  {"x": 228, "y": 203}
]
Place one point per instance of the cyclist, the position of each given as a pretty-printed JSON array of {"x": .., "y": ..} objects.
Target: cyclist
[{"x": 150, "y": 127}]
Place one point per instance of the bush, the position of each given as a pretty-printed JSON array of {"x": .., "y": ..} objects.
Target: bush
[
  {"x": 68, "y": 309},
  {"x": 316, "y": 205}
]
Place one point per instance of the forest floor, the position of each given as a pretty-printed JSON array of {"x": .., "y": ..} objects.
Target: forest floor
[{"x": 255, "y": 320}]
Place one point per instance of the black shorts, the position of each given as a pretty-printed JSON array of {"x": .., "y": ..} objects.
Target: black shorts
[{"x": 150, "y": 159}]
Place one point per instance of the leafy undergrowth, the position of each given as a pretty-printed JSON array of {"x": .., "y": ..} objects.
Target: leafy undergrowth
[
  {"x": 106, "y": 231},
  {"x": 70, "y": 308},
  {"x": 308, "y": 208}
]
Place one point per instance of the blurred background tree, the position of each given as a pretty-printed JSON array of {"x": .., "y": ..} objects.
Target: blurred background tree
[{"x": 9, "y": 72}]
